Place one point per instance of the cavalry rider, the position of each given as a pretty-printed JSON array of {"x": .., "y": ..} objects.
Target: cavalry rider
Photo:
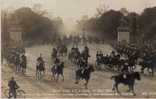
[
  {"x": 85, "y": 54},
  {"x": 125, "y": 70},
  {"x": 57, "y": 61},
  {"x": 40, "y": 63},
  {"x": 12, "y": 87},
  {"x": 81, "y": 66},
  {"x": 40, "y": 58}
]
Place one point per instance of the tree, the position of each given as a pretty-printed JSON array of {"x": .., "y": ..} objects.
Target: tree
[
  {"x": 109, "y": 22},
  {"x": 148, "y": 23},
  {"x": 104, "y": 26},
  {"x": 35, "y": 26}
]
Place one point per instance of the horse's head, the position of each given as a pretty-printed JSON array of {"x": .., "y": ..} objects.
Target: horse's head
[{"x": 137, "y": 75}]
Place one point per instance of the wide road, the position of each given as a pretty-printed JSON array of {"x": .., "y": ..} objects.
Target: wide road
[{"x": 100, "y": 80}]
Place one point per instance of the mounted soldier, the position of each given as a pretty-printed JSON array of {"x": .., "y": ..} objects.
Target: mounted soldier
[
  {"x": 85, "y": 54},
  {"x": 54, "y": 53},
  {"x": 125, "y": 70},
  {"x": 40, "y": 67}
]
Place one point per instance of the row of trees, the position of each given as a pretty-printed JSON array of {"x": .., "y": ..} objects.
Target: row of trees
[
  {"x": 36, "y": 26},
  {"x": 105, "y": 25}
]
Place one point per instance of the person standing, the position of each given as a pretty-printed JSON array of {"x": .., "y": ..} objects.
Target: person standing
[
  {"x": 24, "y": 63},
  {"x": 12, "y": 88}
]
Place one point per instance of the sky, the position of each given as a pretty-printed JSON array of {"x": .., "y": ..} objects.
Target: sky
[{"x": 71, "y": 10}]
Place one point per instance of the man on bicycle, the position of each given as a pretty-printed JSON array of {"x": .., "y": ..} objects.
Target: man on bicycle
[{"x": 12, "y": 87}]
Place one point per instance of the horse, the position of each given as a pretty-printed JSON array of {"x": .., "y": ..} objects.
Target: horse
[
  {"x": 84, "y": 74},
  {"x": 74, "y": 55},
  {"x": 57, "y": 70},
  {"x": 62, "y": 50},
  {"x": 129, "y": 80}
]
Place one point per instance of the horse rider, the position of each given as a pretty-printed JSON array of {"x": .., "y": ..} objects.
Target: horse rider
[
  {"x": 40, "y": 63},
  {"x": 85, "y": 54},
  {"x": 54, "y": 53},
  {"x": 13, "y": 86},
  {"x": 79, "y": 68},
  {"x": 60, "y": 69},
  {"x": 57, "y": 61},
  {"x": 40, "y": 58}
]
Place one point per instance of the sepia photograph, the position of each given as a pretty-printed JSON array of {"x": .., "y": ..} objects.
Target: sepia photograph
[{"x": 78, "y": 49}]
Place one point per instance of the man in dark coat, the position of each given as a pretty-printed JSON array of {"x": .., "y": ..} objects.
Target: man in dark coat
[
  {"x": 12, "y": 88},
  {"x": 23, "y": 63},
  {"x": 17, "y": 63}
]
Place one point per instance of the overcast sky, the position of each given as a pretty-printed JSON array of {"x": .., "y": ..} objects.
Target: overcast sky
[{"x": 73, "y": 9}]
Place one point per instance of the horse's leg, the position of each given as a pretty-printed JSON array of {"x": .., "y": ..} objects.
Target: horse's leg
[
  {"x": 129, "y": 88},
  {"x": 132, "y": 87},
  {"x": 116, "y": 86},
  {"x": 113, "y": 88},
  {"x": 86, "y": 84},
  {"x": 22, "y": 69},
  {"x": 44, "y": 72},
  {"x": 62, "y": 77},
  {"x": 36, "y": 74},
  {"x": 57, "y": 77},
  {"x": 130, "y": 68},
  {"x": 148, "y": 69},
  {"x": 52, "y": 75},
  {"x": 77, "y": 79},
  {"x": 142, "y": 69},
  {"x": 16, "y": 68},
  {"x": 39, "y": 76},
  {"x": 152, "y": 72}
]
